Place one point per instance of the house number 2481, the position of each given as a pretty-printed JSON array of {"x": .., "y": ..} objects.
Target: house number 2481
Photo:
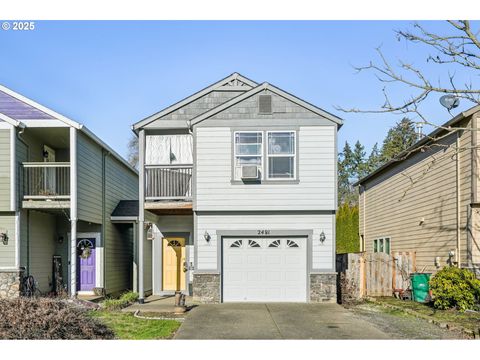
[{"x": 263, "y": 232}]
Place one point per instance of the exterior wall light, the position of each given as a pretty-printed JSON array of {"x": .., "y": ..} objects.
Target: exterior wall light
[
  {"x": 207, "y": 236},
  {"x": 322, "y": 237},
  {"x": 4, "y": 238}
]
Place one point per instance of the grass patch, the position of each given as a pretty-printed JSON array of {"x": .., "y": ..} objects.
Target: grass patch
[
  {"x": 128, "y": 327},
  {"x": 467, "y": 320},
  {"x": 120, "y": 303}
]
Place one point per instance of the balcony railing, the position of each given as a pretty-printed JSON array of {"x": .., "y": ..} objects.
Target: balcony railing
[
  {"x": 46, "y": 180},
  {"x": 168, "y": 182}
]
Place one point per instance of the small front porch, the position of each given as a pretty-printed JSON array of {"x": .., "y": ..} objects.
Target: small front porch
[{"x": 159, "y": 304}]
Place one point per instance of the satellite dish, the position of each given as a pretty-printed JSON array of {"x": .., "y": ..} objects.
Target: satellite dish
[{"x": 449, "y": 101}]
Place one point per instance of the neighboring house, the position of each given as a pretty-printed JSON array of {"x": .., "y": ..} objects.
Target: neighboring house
[
  {"x": 241, "y": 178},
  {"x": 428, "y": 200},
  {"x": 59, "y": 184}
]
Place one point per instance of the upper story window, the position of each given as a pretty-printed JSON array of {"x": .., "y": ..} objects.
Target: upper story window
[
  {"x": 248, "y": 151},
  {"x": 281, "y": 155}
]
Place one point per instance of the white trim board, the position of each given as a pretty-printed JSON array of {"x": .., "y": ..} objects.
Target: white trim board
[{"x": 99, "y": 266}]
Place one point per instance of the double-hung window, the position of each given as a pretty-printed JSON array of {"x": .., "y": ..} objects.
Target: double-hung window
[
  {"x": 248, "y": 151},
  {"x": 281, "y": 155}
]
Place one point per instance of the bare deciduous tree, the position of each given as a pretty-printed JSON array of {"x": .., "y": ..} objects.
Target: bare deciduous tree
[
  {"x": 133, "y": 151},
  {"x": 457, "y": 48}
]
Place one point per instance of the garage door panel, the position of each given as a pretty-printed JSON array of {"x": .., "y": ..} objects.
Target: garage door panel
[{"x": 262, "y": 270}]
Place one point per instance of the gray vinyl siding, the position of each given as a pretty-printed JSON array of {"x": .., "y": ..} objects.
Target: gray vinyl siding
[
  {"x": 89, "y": 179},
  {"x": 316, "y": 174},
  {"x": 43, "y": 234},
  {"x": 321, "y": 256},
  {"x": 121, "y": 183},
  {"x": 422, "y": 186},
  {"x": 7, "y": 252},
  {"x": 5, "y": 170}
]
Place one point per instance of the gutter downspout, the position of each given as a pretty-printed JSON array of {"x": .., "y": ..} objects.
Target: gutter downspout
[
  {"x": 73, "y": 212},
  {"x": 141, "y": 212},
  {"x": 458, "y": 255}
]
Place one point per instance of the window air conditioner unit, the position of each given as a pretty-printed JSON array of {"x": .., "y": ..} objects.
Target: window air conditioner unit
[{"x": 249, "y": 172}]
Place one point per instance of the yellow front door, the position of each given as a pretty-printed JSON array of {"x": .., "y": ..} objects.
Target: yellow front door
[{"x": 173, "y": 263}]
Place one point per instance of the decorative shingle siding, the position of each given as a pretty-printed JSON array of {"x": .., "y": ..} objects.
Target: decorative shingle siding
[
  {"x": 281, "y": 109},
  {"x": 19, "y": 110},
  {"x": 202, "y": 105}
]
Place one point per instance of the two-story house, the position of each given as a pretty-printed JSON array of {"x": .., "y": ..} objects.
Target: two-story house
[
  {"x": 427, "y": 199},
  {"x": 241, "y": 179},
  {"x": 59, "y": 184}
]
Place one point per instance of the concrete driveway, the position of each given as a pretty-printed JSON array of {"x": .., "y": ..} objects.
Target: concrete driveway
[{"x": 275, "y": 321}]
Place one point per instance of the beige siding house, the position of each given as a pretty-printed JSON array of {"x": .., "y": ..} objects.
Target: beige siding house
[
  {"x": 59, "y": 184},
  {"x": 427, "y": 199}
]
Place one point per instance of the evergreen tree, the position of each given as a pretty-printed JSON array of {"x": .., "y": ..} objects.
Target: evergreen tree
[
  {"x": 374, "y": 160},
  {"x": 398, "y": 139},
  {"x": 345, "y": 162},
  {"x": 359, "y": 166}
]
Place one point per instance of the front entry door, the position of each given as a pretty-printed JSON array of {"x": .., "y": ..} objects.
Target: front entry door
[
  {"x": 86, "y": 264},
  {"x": 173, "y": 263}
]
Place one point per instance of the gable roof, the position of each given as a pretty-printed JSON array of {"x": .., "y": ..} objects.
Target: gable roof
[
  {"x": 232, "y": 82},
  {"x": 50, "y": 115},
  {"x": 424, "y": 140},
  {"x": 275, "y": 90},
  {"x": 11, "y": 121}
]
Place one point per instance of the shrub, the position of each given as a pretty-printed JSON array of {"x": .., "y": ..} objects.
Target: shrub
[
  {"x": 347, "y": 229},
  {"x": 455, "y": 288},
  {"x": 123, "y": 301},
  {"x": 49, "y": 319}
]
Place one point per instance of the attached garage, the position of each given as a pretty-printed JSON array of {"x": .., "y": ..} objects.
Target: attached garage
[{"x": 264, "y": 269}]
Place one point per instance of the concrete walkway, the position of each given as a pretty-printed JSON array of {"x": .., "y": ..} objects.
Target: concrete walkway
[{"x": 275, "y": 321}]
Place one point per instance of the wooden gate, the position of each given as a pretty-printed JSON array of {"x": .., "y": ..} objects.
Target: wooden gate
[{"x": 376, "y": 274}]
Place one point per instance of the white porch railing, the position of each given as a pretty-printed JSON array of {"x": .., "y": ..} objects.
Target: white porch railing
[
  {"x": 46, "y": 180},
  {"x": 168, "y": 182}
]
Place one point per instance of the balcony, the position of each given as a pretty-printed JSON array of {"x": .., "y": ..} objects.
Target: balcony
[
  {"x": 168, "y": 188},
  {"x": 46, "y": 184}
]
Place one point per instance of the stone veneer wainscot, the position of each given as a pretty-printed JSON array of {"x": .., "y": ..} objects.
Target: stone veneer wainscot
[{"x": 10, "y": 283}]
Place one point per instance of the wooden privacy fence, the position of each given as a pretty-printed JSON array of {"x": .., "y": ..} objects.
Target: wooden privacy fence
[{"x": 376, "y": 274}]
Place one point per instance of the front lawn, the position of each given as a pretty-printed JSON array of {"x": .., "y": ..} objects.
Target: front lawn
[
  {"x": 128, "y": 327},
  {"x": 454, "y": 318}
]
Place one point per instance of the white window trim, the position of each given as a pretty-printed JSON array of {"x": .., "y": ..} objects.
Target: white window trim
[
  {"x": 377, "y": 239},
  {"x": 294, "y": 155},
  {"x": 235, "y": 155}
]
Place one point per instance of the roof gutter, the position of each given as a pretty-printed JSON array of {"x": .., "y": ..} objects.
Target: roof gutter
[{"x": 445, "y": 127}]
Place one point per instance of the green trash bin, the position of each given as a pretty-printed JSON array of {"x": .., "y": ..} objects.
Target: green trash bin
[{"x": 420, "y": 287}]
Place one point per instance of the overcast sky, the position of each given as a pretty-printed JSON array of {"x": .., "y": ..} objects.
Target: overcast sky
[{"x": 109, "y": 75}]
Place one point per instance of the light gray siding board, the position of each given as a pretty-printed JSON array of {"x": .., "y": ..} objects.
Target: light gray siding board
[
  {"x": 315, "y": 191},
  {"x": 5, "y": 170}
]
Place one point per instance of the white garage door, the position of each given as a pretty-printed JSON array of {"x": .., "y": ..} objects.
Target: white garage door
[{"x": 265, "y": 270}]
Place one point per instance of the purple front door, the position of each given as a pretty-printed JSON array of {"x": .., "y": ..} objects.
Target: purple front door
[{"x": 85, "y": 264}]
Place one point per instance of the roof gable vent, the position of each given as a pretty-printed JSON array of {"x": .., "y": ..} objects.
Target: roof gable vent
[{"x": 265, "y": 104}]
